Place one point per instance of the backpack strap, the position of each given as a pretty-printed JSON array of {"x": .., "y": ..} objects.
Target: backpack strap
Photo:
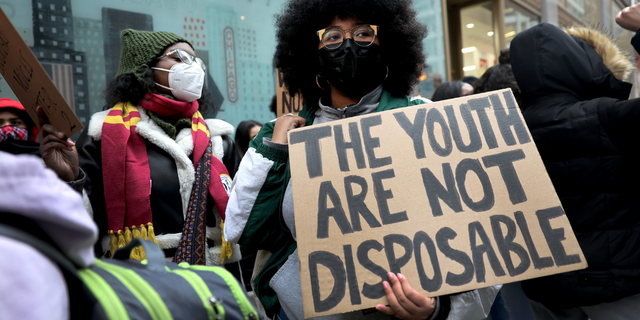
[
  {"x": 44, "y": 248},
  {"x": 81, "y": 301}
]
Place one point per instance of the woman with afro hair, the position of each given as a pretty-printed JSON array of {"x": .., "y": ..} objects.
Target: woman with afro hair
[{"x": 347, "y": 58}]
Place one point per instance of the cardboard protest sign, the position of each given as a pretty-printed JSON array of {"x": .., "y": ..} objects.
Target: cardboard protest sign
[
  {"x": 286, "y": 103},
  {"x": 453, "y": 195},
  {"x": 31, "y": 84}
]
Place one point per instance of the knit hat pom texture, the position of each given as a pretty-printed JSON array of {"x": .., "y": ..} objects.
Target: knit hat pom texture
[{"x": 140, "y": 48}]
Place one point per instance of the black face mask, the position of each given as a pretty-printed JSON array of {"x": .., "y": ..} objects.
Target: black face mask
[{"x": 352, "y": 69}]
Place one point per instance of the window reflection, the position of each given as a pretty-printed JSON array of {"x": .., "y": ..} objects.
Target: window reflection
[
  {"x": 478, "y": 39},
  {"x": 516, "y": 20}
]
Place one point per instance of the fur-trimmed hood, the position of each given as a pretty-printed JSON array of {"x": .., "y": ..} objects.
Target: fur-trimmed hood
[
  {"x": 615, "y": 60},
  {"x": 582, "y": 62}
]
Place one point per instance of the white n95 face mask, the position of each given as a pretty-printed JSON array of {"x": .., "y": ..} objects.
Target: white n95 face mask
[{"x": 185, "y": 81}]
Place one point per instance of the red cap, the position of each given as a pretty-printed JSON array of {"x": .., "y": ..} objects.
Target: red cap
[{"x": 13, "y": 104}]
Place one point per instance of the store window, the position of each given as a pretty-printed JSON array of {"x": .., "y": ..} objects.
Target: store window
[
  {"x": 516, "y": 20},
  {"x": 430, "y": 14},
  {"x": 478, "y": 39}
]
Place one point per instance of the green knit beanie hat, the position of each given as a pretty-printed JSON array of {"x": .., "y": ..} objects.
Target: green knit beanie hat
[{"x": 140, "y": 48}]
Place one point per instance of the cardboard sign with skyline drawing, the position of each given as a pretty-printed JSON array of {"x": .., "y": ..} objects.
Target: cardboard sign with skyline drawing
[
  {"x": 30, "y": 82},
  {"x": 452, "y": 194}
]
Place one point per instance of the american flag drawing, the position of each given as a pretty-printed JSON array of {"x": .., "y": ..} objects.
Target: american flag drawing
[{"x": 62, "y": 76}]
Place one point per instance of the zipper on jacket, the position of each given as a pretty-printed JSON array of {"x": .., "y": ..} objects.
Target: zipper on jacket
[
  {"x": 147, "y": 296},
  {"x": 106, "y": 296},
  {"x": 247, "y": 309},
  {"x": 217, "y": 304},
  {"x": 203, "y": 292}
]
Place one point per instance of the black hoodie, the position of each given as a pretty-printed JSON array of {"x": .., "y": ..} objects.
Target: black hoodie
[{"x": 587, "y": 133}]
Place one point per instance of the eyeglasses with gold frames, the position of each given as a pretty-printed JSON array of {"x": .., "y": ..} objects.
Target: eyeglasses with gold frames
[{"x": 363, "y": 35}]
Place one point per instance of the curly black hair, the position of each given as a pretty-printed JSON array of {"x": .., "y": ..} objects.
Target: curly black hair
[
  {"x": 400, "y": 40},
  {"x": 496, "y": 78},
  {"x": 448, "y": 90},
  {"x": 127, "y": 88}
]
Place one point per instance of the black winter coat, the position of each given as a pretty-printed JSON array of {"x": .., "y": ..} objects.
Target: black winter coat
[
  {"x": 165, "y": 197},
  {"x": 587, "y": 134}
]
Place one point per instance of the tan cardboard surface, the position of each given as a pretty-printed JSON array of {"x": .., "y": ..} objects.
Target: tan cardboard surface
[
  {"x": 451, "y": 194},
  {"x": 31, "y": 84},
  {"x": 285, "y": 102}
]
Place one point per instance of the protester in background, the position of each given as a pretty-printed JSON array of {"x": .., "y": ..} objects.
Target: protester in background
[
  {"x": 575, "y": 104},
  {"x": 18, "y": 134},
  {"x": 496, "y": 78},
  {"x": 470, "y": 80},
  {"x": 505, "y": 56},
  {"x": 347, "y": 58},
  {"x": 153, "y": 143},
  {"x": 450, "y": 90},
  {"x": 246, "y": 131}
]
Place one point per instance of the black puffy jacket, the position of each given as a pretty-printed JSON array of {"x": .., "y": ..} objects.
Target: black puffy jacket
[{"x": 587, "y": 134}]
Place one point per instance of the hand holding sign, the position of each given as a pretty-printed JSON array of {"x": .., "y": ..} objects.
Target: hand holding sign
[
  {"x": 405, "y": 302},
  {"x": 57, "y": 150},
  {"x": 283, "y": 125}
]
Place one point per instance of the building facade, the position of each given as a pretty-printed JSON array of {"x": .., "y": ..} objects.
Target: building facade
[
  {"x": 78, "y": 41},
  {"x": 54, "y": 46},
  {"x": 478, "y": 29}
]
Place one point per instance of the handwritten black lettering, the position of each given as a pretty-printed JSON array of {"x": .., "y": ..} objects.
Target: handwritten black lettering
[
  {"x": 23, "y": 73},
  {"x": 352, "y": 277},
  {"x": 479, "y": 106},
  {"x": 442, "y": 239},
  {"x": 4, "y": 52},
  {"x": 506, "y": 245},
  {"x": 395, "y": 262},
  {"x": 336, "y": 266},
  {"x": 414, "y": 130},
  {"x": 434, "y": 116},
  {"x": 478, "y": 252},
  {"x": 509, "y": 118},
  {"x": 475, "y": 142},
  {"x": 355, "y": 145},
  {"x": 371, "y": 291},
  {"x": 371, "y": 143},
  {"x": 311, "y": 138},
  {"x": 356, "y": 204},
  {"x": 554, "y": 237},
  {"x": 434, "y": 284},
  {"x": 382, "y": 195},
  {"x": 328, "y": 192},
  {"x": 538, "y": 262},
  {"x": 504, "y": 161},
  {"x": 436, "y": 191}
]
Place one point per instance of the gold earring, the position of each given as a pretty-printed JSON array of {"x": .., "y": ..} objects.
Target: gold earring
[
  {"x": 385, "y": 77},
  {"x": 319, "y": 86}
]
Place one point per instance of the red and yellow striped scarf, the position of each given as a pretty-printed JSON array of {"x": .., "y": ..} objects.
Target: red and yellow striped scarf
[{"x": 127, "y": 180}]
